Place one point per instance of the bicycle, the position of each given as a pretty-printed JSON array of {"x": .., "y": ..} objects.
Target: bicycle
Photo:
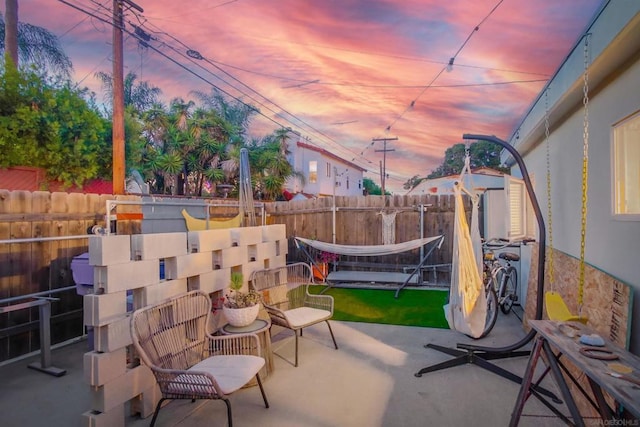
[
  {"x": 502, "y": 274},
  {"x": 492, "y": 303},
  {"x": 500, "y": 280}
]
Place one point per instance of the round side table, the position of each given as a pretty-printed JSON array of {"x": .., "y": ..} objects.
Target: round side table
[{"x": 260, "y": 327}]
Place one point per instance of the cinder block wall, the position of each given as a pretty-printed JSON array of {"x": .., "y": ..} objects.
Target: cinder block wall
[{"x": 127, "y": 276}]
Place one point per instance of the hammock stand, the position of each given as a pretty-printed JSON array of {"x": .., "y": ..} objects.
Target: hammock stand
[
  {"x": 480, "y": 355},
  {"x": 370, "y": 250}
]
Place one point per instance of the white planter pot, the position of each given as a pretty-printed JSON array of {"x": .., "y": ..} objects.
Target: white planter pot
[{"x": 240, "y": 317}]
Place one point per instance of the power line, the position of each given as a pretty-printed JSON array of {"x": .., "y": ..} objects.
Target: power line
[
  {"x": 196, "y": 55},
  {"x": 442, "y": 70},
  {"x": 385, "y": 55},
  {"x": 137, "y": 36}
]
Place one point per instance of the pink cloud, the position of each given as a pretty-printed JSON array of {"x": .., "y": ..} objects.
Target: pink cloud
[{"x": 356, "y": 61}]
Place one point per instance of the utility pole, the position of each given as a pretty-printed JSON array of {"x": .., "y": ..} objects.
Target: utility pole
[
  {"x": 383, "y": 172},
  {"x": 118, "y": 167}
]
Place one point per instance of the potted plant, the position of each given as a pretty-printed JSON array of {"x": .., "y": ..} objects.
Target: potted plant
[
  {"x": 323, "y": 259},
  {"x": 240, "y": 308}
]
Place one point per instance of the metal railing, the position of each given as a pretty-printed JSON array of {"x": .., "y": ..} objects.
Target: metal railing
[
  {"x": 44, "y": 308},
  {"x": 113, "y": 204}
]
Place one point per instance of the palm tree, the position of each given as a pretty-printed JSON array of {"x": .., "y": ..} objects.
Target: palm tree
[
  {"x": 270, "y": 166},
  {"x": 30, "y": 43},
  {"x": 141, "y": 95},
  {"x": 212, "y": 133},
  {"x": 282, "y": 135},
  {"x": 236, "y": 113}
]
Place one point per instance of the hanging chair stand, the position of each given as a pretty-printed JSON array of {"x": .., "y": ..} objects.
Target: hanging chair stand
[{"x": 480, "y": 355}]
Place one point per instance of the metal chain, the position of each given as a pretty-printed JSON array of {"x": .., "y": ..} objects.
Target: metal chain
[
  {"x": 550, "y": 271},
  {"x": 585, "y": 172}
]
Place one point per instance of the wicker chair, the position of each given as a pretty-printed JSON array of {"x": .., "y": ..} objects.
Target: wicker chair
[
  {"x": 286, "y": 297},
  {"x": 188, "y": 363}
]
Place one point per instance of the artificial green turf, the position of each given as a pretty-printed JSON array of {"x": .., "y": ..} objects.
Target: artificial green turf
[{"x": 413, "y": 307}]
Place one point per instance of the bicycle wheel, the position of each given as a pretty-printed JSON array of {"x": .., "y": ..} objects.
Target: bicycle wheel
[
  {"x": 510, "y": 287},
  {"x": 492, "y": 310}
]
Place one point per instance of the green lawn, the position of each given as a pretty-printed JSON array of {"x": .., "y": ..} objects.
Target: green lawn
[{"x": 412, "y": 308}]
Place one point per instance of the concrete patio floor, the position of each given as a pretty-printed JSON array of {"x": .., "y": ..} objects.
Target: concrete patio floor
[{"x": 368, "y": 382}]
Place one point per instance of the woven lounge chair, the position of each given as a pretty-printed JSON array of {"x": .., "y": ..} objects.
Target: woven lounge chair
[
  {"x": 286, "y": 297},
  {"x": 188, "y": 363}
]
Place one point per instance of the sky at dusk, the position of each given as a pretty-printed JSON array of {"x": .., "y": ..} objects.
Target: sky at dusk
[{"x": 341, "y": 73}]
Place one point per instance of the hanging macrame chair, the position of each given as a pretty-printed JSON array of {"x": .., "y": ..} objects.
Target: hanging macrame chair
[
  {"x": 466, "y": 311},
  {"x": 556, "y": 307}
]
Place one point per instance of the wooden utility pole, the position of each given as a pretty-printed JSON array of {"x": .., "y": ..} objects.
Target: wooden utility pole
[
  {"x": 383, "y": 173},
  {"x": 118, "y": 101},
  {"x": 11, "y": 30},
  {"x": 118, "y": 168}
]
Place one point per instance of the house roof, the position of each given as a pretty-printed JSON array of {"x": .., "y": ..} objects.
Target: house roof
[
  {"x": 28, "y": 178},
  {"x": 432, "y": 184},
  {"x": 329, "y": 154}
]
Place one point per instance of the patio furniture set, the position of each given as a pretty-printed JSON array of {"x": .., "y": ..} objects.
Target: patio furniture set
[{"x": 188, "y": 362}]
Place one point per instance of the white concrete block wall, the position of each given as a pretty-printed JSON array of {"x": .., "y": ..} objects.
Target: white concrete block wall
[
  {"x": 109, "y": 250},
  {"x": 208, "y": 240},
  {"x": 124, "y": 277},
  {"x": 112, "y": 418},
  {"x": 194, "y": 260},
  {"x": 121, "y": 389},
  {"x": 211, "y": 281},
  {"x": 100, "y": 368},
  {"x": 158, "y": 245},
  {"x": 231, "y": 257},
  {"x": 248, "y": 269},
  {"x": 103, "y": 308},
  {"x": 113, "y": 336},
  {"x": 158, "y": 292},
  {"x": 264, "y": 250},
  {"x": 274, "y": 232},
  {"x": 276, "y": 261},
  {"x": 246, "y": 236},
  {"x": 145, "y": 403},
  {"x": 188, "y": 265}
]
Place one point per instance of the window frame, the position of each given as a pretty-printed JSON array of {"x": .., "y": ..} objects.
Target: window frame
[
  {"x": 313, "y": 171},
  {"x": 519, "y": 218},
  {"x": 616, "y": 211}
]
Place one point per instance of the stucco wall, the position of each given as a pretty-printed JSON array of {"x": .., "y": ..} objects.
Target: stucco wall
[{"x": 612, "y": 245}]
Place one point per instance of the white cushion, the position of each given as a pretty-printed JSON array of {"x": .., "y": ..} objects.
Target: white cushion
[
  {"x": 230, "y": 372},
  {"x": 304, "y": 316}
]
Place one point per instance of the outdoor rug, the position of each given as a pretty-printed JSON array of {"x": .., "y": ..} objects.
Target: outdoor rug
[{"x": 413, "y": 307}]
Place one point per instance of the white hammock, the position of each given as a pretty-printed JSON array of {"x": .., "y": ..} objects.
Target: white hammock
[
  {"x": 370, "y": 250},
  {"x": 467, "y": 308}
]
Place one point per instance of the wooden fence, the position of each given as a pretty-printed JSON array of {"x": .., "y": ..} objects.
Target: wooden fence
[
  {"x": 33, "y": 267},
  {"x": 359, "y": 221}
]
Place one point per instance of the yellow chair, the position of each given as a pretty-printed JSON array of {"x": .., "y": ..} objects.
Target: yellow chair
[
  {"x": 196, "y": 224},
  {"x": 558, "y": 311}
]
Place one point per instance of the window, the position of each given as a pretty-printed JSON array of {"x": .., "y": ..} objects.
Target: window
[
  {"x": 328, "y": 170},
  {"x": 313, "y": 172},
  {"x": 626, "y": 168},
  {"x": 519, "y": 218}
]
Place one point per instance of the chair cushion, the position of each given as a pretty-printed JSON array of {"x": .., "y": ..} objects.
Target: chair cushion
[
  {"x": 275, "y": 295},
  {"x": 231, "y": 373},
  {"x": 305, "y": 316}
]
